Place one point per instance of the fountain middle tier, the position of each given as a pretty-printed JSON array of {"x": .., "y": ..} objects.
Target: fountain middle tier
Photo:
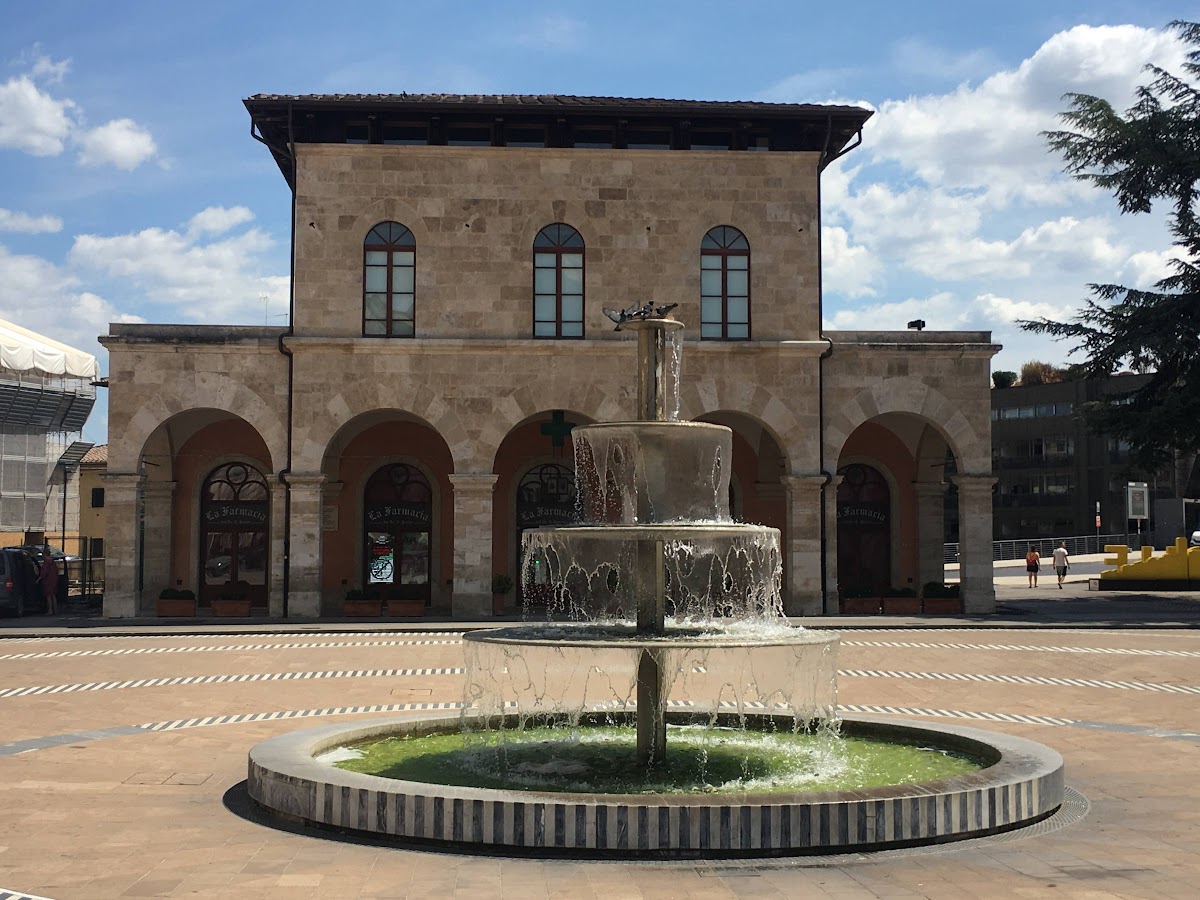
[
  {"x": 560, "y": 672},
  {"x": 700, "y": 571}
]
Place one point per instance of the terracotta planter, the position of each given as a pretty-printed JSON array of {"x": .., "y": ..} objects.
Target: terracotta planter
[
  {"x": 174, "y": 606},
  {"x": 943, "y": 606},
  {"x": 231, "y": 608},
  {"x": 499, "y": 604},
  {"x": 362, "y": 607},
  {"x": 406, "y": 607},
  {"x": 901, "y": 606},
  {"x": 856, "y": 606}
]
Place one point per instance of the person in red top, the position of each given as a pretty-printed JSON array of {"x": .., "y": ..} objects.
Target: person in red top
[
  {"x": 1033, "y": 561},
  {"x": 48, "y": 576}
]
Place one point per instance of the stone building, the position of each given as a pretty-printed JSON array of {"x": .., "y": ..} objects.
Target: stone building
[{"x": 452, "y": 256}]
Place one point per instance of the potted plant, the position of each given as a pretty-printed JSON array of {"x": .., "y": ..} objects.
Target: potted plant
[
  {"x": 941, "y": 599},
  {"x": 901, "y": 602},
  {"x": 859, "y": 602},
  {"x": 362, "y": 603},
  {"x": 233, "y": 602},
  {"x": 175, "y": 602},
  {"x": 502, "y": 585}
]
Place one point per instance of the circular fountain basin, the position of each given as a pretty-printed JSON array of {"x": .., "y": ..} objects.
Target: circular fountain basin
[
  {"x": 710, "y": 636},
  {"x": 1023, "y": 783}
]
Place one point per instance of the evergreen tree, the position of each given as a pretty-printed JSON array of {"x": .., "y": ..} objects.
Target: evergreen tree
[{"x": 1149, "y": 154}]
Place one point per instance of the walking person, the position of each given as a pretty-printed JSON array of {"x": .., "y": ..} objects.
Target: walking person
[
  {"x": 1033, "y": 561},
  {"x": 48, "y": 576},
  {"x": 1061, "y": 562}
]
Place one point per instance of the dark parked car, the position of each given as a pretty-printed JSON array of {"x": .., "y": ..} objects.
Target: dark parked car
[
  {"x": 19, "y": 588},
  {"x": 37, "y": 551}
]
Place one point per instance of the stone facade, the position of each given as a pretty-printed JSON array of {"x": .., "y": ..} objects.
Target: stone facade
[{"x": 466, "y": 405}]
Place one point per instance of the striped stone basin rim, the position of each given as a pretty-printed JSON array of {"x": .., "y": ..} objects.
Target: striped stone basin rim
[
  {"x": 1023, "y": 785},
  {"x": 616, "y": 636}
]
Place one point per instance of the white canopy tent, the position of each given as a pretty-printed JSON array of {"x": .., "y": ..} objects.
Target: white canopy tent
[{"x": 22, "y": 350}]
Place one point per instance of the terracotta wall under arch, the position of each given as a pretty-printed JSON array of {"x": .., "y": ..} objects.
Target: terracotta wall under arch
[{"x": 377, "y": 445}]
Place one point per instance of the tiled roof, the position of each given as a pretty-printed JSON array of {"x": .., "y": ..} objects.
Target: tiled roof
[
  {"x": 97, "y": 456},
  {"x": 556, "y": 101}
]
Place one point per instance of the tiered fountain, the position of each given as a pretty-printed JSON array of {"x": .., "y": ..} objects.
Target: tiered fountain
[
  {"x": 667, "y": 613},
  {"x": 657, "y": 538}
]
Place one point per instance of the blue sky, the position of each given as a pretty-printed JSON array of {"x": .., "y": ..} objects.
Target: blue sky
[{"x": 131, "y": 190}]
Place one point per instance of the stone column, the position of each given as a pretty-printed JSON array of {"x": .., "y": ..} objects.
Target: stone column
[
  {"x": 802, "y": 550},
  {"x": 158, "y": 499},
  {"x": 472, "y": 598},
  {"x": 303, "y": 548},
  {"x": 931, "y": 531},
  {"x": 276, "y": 544},
  {"x": 975, "y": 542},
  {"x": 122, "y": 492}
]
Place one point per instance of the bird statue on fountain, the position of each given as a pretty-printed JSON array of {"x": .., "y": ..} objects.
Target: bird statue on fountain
[{"x": 648, "y": 311}]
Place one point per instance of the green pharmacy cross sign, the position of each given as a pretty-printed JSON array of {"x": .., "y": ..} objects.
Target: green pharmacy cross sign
[{"x": 557, "y": 428}]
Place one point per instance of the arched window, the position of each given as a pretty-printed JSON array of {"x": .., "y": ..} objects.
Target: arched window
[
  {"x": 233, "y": 533},
  {"x": 725, "y": 285},
  {"x": 398, "y": 526},
  {"x": 558, "y": 283},
  {"x": 389, "y": 268}
]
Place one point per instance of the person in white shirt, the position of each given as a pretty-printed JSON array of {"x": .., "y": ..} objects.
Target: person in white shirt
[{"x": 1061, "y": 563}]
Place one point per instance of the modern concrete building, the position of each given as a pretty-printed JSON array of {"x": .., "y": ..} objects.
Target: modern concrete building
[
  {"x": 452, "y": 257},
  {"x": 1055, "y": 476}
]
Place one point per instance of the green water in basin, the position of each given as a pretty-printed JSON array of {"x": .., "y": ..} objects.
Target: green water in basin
[{"x": 700, "y": 760}]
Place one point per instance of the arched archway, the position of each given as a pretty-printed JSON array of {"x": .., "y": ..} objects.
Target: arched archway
[{"x": 388, "y": 508}]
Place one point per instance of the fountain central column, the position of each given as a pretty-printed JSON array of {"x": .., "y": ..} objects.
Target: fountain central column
[{"x": 658, "y": 401}]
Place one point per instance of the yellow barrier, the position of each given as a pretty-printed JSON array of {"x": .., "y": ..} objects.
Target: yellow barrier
[{"x": 1177, "y": 563}]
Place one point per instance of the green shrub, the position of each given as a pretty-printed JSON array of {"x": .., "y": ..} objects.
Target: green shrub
[{"x": 501, "y": 583}]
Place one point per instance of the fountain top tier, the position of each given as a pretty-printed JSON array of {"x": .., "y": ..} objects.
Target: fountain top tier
[
  {"x": 659, "y": 352},
  {"x": 656, "y": 469}
]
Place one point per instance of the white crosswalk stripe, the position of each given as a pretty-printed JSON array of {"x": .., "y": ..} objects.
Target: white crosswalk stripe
[
  {"x": 228, "y": 648},
  {"x": 225, "y": 679}
]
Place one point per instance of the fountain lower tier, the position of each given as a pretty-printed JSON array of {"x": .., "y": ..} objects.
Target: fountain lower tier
[
  {"x": 697, "y": 570},
  {"x": 1022, "y": 784}
]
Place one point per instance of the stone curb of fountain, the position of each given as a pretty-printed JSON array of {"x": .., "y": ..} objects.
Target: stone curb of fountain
[{"x": 1024, "y": 784}]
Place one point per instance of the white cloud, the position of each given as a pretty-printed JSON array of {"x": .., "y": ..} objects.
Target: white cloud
[
  {"x": 552, "y": 32},
  {"x": 217, "y": 281},
  {"x": 1144, "y": 270},
  {"x": 845, "y": 268},
  {"x": 38, "y": 295},
  {"x": 31, "y": 120},
  {"x": 46, "y": 69},
  {"x": 121, "y": 143},
  {"x": 34, "y": 121},
  {"x": 218, "y": 219},
  {"x": 988, "y": 137},
  {"x": 19, "y": 221}
]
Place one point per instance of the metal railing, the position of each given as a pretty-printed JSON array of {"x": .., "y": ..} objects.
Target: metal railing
[{"x": 1076, "y": 546}]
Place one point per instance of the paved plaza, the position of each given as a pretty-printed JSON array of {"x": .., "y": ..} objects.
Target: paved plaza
[{"x": 123, "y": 752}]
